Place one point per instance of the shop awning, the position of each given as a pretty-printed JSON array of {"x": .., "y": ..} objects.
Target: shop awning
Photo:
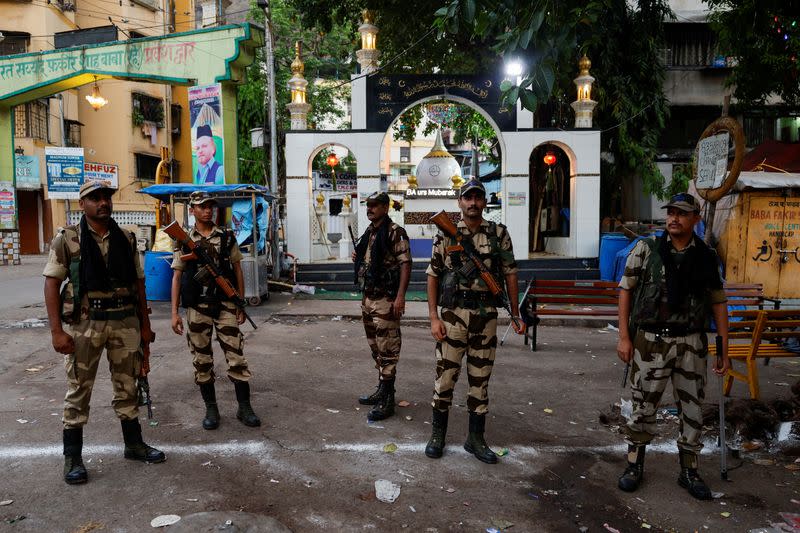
[{"x": 773, "y": 156}]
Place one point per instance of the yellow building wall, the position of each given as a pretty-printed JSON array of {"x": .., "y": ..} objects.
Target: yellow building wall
[{"x": 182, "y": 144}]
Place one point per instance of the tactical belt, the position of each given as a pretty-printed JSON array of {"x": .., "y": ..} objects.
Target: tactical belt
[
  {"x": 113, "y": 302},
  {"x": 475, "y": 299},
  {"x": 117, "y": 314},
  {"x": 670, "y": 331}
]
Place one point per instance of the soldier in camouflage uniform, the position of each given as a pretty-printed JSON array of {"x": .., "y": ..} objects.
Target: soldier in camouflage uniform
[
  {"x": 383, "y": 270},
  {"x": 208, "y": 308},
  {"x": 670, "y": 290},
  {"x": 104, "y": 304},
  {"x": 468, "y": 324}
]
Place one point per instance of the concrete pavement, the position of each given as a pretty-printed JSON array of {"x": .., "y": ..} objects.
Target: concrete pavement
[{"x": 313, "y": 463}]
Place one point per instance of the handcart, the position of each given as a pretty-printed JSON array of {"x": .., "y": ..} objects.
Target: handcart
[{"x": 256, "y": 245}]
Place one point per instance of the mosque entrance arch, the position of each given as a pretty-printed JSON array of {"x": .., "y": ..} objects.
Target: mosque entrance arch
[{"x": 427, "y": 149}]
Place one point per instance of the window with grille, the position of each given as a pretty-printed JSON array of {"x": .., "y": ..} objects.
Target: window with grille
[
  {"x": 30, "y": 120},
  {"x": 72, "y": 130},
  {"x": 14, "y": 42},
  {"x": 146, "y": 167},
  {"x": 690, "y": 45},
  {"x": 146, "y": 107},
  {"x": 405, "y": 154}
]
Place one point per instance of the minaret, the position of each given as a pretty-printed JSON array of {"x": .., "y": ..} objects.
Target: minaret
[
  {"x": 368, "y": 56},
  {"x": 298, "y": 107},
  {"x": 584, "y": 105}
]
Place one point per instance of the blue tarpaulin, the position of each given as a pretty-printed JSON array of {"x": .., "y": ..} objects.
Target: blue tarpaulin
[
  {"x": 242, "y": 221},
  {"x": 224, "y": 194}
]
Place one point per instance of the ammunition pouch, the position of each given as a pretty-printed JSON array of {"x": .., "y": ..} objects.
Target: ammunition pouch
[
  {"x": 475, "y": 299},
  {"x": 387, "y": 283},
  {"x": 448, "y": 289}
]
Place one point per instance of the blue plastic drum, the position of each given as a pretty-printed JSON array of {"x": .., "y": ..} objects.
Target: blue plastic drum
[
  {"x": 610, "y": 244},
  {"x": 158, "y": 276}
]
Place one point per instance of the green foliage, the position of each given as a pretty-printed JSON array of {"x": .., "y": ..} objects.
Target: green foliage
[
  {"x": 624, "y": 43},
  {"x": 467, "y": 125},
  {"x": 403, "y": 23},
  {"x": 767, "y": 59},
  {"x": 323, "y": 54},
  {"x": 681, "y": 177}
]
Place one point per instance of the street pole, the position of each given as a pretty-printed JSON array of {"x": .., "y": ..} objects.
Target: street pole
[{"x": 273, "y": 144}]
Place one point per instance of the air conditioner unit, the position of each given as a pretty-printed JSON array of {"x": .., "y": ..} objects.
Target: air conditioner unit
[{"x": 404, "y": 159}]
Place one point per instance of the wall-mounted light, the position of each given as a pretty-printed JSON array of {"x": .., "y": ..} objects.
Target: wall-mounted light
[{"x": 95, "y": 99}]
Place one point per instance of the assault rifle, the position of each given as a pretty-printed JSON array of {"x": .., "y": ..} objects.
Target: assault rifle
[
  {"x": 142, "y": 385},
  {"x": 207, "y": 267},
  {"x": 467, "y": 247}
]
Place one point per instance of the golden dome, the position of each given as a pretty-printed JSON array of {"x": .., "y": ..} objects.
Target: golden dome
[
  {"x": 584, "y": 64},
  {"x": 298, "y": 67}
]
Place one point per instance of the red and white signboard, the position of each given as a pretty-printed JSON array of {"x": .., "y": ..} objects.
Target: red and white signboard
[{"x": 101, "y": 171}]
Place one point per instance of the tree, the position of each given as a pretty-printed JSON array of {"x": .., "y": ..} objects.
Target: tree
[
  {"x": 624, "y": 42},
  {"x": 403, "y": 23},
  {"x": 764, "y": 38},
  {"x": 465, "y": 123},
  {"x": 324, "y": 55}
]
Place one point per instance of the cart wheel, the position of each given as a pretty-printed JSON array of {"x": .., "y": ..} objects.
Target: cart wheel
[{"x": 254, "y": 300}]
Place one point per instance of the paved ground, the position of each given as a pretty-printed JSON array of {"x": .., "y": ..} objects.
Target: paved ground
[{"x": 313, "y": 464}]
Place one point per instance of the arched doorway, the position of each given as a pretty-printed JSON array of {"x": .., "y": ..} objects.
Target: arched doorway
[
  {"x": 333, "y": 170},
  {"x": 467, "y": 133},
  {"x": 551, "y": 196}
]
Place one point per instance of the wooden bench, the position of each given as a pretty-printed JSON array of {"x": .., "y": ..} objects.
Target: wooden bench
[
  {"x": 601, "y": 298},
  {"x": 758, "y": 335}
]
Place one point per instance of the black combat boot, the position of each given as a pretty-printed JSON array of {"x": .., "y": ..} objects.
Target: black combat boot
[
  {"x": 211, "y": 421},
  {"x": 475, "y": 443},
  {"x": 375, "y": 397},
  {"x": 135, "y": 448},
  {"x": 630, "y": 480},
  {"x": 435, "y": 446},
  {"x": 74, "y": 471},
  {"x": 385, "y": 406},
  {"x": 245, "y": 413},
  {"x": 689, "y": 479}
]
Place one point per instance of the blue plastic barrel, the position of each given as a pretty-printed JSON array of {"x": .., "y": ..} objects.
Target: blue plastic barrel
[
  {"x": 421, "y": 248},
  {"x": 158, "y": 276},
  {"x": 610, "y": 244}
]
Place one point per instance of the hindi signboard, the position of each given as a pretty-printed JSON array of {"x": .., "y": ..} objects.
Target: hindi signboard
[{"x": 64, "y": 172}]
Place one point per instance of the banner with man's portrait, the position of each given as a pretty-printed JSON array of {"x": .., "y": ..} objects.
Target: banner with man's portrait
[{"x": 205, "y": 118}]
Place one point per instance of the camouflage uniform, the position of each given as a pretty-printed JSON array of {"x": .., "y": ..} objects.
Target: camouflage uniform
[
  {"x": 200, "y": 323},
  {"x": 118, "y": 332},
  {"x": 469, "y": 328},
  {"x": 659, "y": 358},
  {"x": 380, "y": 326}
]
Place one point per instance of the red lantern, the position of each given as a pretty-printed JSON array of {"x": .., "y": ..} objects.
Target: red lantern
[
  {"x": 332, "y": 160},
  {"x": 549, "y": 159}
]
